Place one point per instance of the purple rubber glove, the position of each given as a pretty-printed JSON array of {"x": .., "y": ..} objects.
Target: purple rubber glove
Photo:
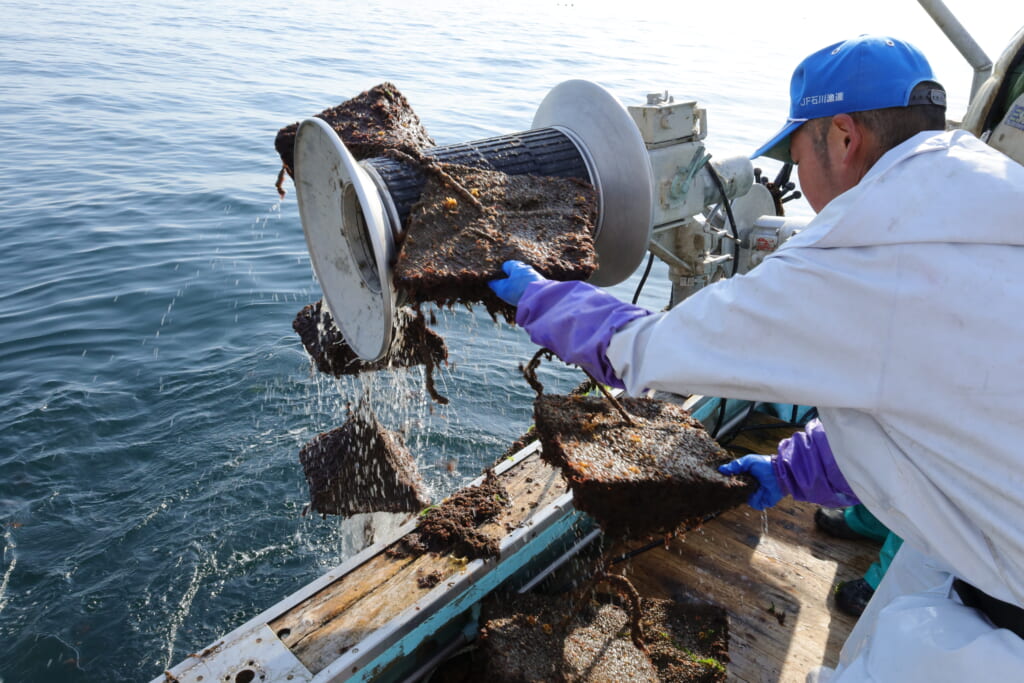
[
  {"x": 576, "y": 321},
  {"x": 807, "y": 469},
  {"x": 760, "y": 467},
  {"x": 510, "y": 289}
]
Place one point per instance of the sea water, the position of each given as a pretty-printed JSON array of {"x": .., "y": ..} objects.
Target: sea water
[{"x": 155, "y": 396}]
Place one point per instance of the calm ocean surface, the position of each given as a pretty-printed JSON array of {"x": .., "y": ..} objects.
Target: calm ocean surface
[{"x": 155, "y": 396}]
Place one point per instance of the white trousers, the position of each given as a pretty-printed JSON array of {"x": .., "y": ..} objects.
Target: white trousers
[{"x": 915, "y": 629}]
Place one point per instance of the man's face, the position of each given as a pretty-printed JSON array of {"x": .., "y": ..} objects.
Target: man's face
[{"x": 808, "y": 147}]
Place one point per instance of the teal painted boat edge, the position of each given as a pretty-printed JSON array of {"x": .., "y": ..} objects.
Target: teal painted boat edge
[{"x": 470, "y": 599}]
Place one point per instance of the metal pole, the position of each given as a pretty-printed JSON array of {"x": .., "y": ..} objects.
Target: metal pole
[{"x": 961, "y": 39}]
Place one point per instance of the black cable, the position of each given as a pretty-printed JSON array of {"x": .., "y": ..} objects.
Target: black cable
[
  {"x": 750, "y": 411},
  {"x": 643, "y": 279},
  {"x": 636, "y": 551},
  {"x": 720, "y": 418},
  {"x": 732, "y": 219},
  {"x": 715, "y": 433}
]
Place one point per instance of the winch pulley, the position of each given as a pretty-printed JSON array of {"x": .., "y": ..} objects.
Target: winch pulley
[{"x": 654, "y": 180}]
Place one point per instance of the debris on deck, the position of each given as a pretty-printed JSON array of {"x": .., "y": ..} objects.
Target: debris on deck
[
  {"x": 452, "y": 526},
  {"x": 595, "y": 637}
]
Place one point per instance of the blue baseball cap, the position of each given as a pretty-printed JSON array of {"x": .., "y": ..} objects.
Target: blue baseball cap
[{"x": 868, "y": 72}]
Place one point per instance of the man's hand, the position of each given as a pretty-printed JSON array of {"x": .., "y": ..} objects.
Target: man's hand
[
  {"x": 510, "y": 289},
  {"x": 760, "y": 467}
]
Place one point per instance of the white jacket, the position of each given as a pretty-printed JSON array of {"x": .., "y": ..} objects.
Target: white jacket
[{"x": 899, "y": 313}]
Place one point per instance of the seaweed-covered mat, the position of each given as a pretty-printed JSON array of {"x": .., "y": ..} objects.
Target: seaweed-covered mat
[
  {"x": 373, "y": 121},
  {"x": 535, "y": 637},
  {"x": 414, "y": 344},
  {"x": 361, "y": 467},
  {"x": 469, "y": 221},
  {"x": 452, "y": 525},
  {"x": 648, "y": 477}
]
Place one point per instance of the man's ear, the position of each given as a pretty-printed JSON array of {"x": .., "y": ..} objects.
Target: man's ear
[
  {"x": 850, "y": 145},
  {"x": 845, "y": 137}
]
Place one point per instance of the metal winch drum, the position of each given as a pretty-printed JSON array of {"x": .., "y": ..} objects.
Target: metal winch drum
[{"x": 352, "y": 212}]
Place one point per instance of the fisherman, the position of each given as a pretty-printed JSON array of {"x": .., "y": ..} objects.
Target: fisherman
[{"x": 897, "y": 312}]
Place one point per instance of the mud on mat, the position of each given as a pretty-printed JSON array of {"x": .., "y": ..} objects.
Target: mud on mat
[
  {"x": 461, "y": 232},
  {"x": 361, "y": 467},
  {"x": 651, "y": 477}
]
